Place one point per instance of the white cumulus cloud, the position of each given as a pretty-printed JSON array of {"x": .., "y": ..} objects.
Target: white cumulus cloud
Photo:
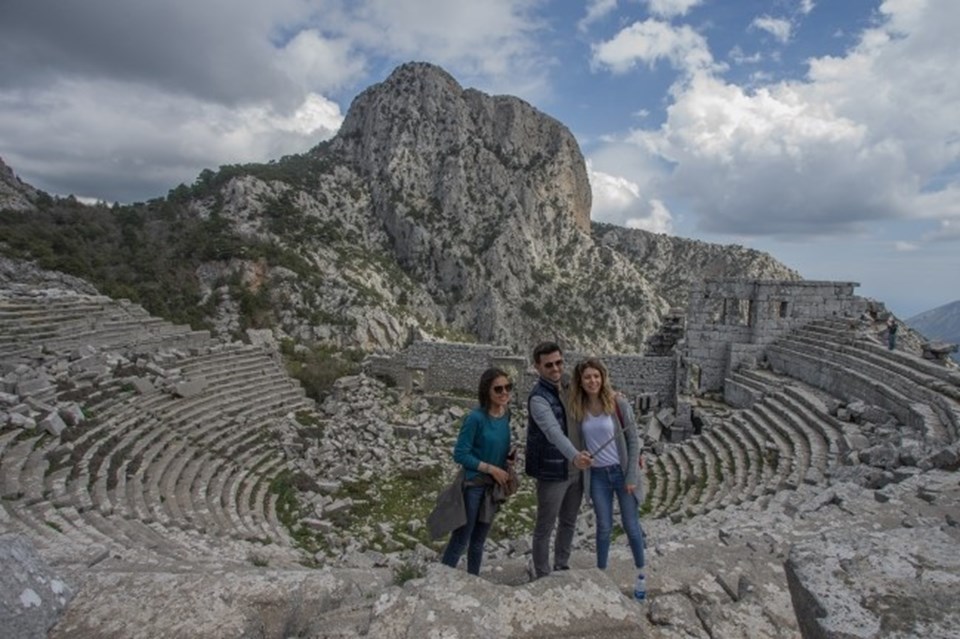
[
  {"x": 619, "y": 200},
  {"x": 671, "y": 8},
  {"x": 867, "y": 137},
  {"x": 596, "y": 10},
  {"x": 650, "y": 42},
  {"x": 777, "y": 27}
]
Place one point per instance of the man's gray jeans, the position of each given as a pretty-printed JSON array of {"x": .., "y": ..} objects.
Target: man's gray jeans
[{"x": 558, "y": 503}]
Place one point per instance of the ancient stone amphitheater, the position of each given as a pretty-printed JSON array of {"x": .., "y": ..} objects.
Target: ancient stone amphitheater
[{"x": 137, "y": 459}]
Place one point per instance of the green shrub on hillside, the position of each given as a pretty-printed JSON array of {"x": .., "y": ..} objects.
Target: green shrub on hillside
[{"x": 319, "y": 366}]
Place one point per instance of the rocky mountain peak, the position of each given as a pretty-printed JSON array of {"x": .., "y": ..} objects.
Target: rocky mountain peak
[
  {"x": 432, "y": 147},
  {"x": 14, "y": 194}
]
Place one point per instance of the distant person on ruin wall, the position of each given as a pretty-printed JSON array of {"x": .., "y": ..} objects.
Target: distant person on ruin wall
[
  {"x": 483, "y": 450},
  {"x": 554, "y": 454},
  {"x": 891, "y": 333},
  {"x": 610, "y": 434}
]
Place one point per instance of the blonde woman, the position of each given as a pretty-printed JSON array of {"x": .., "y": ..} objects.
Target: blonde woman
[{"x": 610, "y": 435}]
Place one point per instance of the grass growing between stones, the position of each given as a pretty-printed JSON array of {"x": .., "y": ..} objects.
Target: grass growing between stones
[
  {"x": 515, "y": 518},
  {"x": 406, "y": 571},
  {"x": 287, "y": 486},
  {"x": 651, "y": 478},
  {"x": 392, "y": 512}
]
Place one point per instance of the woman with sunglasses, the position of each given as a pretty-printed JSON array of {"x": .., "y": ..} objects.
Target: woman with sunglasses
[
  {"x": 610, "y": 434},
  {"x": 483, "y": 449}
]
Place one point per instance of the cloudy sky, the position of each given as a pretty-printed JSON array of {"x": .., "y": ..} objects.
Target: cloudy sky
[{"x": 826, "y": 132}]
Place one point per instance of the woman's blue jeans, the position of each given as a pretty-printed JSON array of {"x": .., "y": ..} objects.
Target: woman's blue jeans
[
  {"x": 604, "y": 483},
  {"x": 470, "y": 536}
]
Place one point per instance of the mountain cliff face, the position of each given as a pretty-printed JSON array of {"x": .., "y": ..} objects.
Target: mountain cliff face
[
  {"x": 437, "y": 211},
  {"x": 14, "y": 194},
  {"x": 675, "y": 262}
]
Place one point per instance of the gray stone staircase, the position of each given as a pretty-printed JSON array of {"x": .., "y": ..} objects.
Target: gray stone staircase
[
  {"x": 830, "y": 355},
  {"x": 781, "y": 433},
  {"x": 784, "y": 437},
  {"x": 151, "y": 477}
]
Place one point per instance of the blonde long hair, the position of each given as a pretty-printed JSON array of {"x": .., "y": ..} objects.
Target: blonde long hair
[{"x": 579, "y": 397}]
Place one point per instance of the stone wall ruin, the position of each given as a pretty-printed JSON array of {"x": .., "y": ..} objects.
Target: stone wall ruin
[
  {"x": 432, "y": 367},
  {"x": 729, "y": 322}
]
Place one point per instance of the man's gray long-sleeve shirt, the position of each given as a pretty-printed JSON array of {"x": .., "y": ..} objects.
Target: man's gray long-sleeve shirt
[{"x": 543, "y": 415}]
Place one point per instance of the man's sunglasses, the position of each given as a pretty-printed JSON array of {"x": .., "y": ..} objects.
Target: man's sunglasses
[
  {"x": 504, "y": 388},
  {"x": 555, "y": 364}
]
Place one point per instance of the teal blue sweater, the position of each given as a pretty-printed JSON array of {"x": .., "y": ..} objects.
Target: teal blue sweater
[{"x": 482, "y": 439}]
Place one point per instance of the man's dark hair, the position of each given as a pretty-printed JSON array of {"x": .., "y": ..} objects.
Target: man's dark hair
[
  {"x": 486, "y": 381},
  {"x": 545, "y": 348}
]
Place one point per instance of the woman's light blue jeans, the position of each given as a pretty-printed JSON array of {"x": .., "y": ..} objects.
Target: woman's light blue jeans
[
  {"x": 470, "y": 536},
  {"x": 604, "y": 483}
]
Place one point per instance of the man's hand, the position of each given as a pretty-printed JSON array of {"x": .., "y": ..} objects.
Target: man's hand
[{"x": 583, "y": 460}]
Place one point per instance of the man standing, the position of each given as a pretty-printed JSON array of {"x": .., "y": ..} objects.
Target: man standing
[{"x": 552, "y": 457}]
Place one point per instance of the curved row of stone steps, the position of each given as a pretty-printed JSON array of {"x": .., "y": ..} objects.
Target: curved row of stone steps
[
  {"x": 66, "y": 321},
  {"x": 822, "y": 368},
  {"x": 155, "y": 477},
  {"x": 784, "y": 439},
  {"x": 829, "y": 355},
  {"x": 784, "y": 435}
]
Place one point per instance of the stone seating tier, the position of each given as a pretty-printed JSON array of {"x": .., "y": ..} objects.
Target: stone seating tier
[
  {"x": 671, "y": 481},
  {"x": 795, "y": 437},
  {"x": 912, "y": 377},
  {"x": 803, "y": 422},
  {"x": 704, "y": 463},
  {"x": 149, "y": 478},
  {"x": 693, "y": 475},
  {"x": 837, "y": 332},
  {"x": 819, "y": 367},
  {"x": 723, "y": 469},
  {"x": 737, "y": 482},
  {"x": 814, "y": 413},
  {"x": 683, "y": 480},
  {"x": 746, "y": 386},
  {"x": 656, "y": 482},
  {"x": 788, "y": 475}
]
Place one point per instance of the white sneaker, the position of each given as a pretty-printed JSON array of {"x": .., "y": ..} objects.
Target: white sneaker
[{"x": 640, "y": 588}]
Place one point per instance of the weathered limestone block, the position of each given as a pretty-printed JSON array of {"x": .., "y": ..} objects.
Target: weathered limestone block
[
  {"x": 32, "y": 597},
  {"x": 881, "y": 456},
  {"x": 143, "y": 386},
  {"x": 947, "y": 458},
  {"x": 666, "y": 417},
  {"x": 875, "y": 414},
  {"x": 271, "y": 604},
  {"x": 33, "y": 386},
  {"x": 71, "y": 413},
  {"x": 190, "y": 388},
  {"x": 938, "y": 351},
  {"x": 53, "y": 424},
  {"x": 19, "y": 420},
  {"x": 851, "y": 583},
  {"x": 451, "y": 603}
]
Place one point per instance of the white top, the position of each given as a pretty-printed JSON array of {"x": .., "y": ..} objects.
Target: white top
[{"x": 597, "y": 431}]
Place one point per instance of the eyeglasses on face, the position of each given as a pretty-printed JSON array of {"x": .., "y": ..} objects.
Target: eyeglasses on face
[
  {"x": 554, "y": 364},
  {"x": 503, "y": 388}
]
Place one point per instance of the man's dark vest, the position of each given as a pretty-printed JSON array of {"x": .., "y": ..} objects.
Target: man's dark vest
[{"x": 544, "y": 460}]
